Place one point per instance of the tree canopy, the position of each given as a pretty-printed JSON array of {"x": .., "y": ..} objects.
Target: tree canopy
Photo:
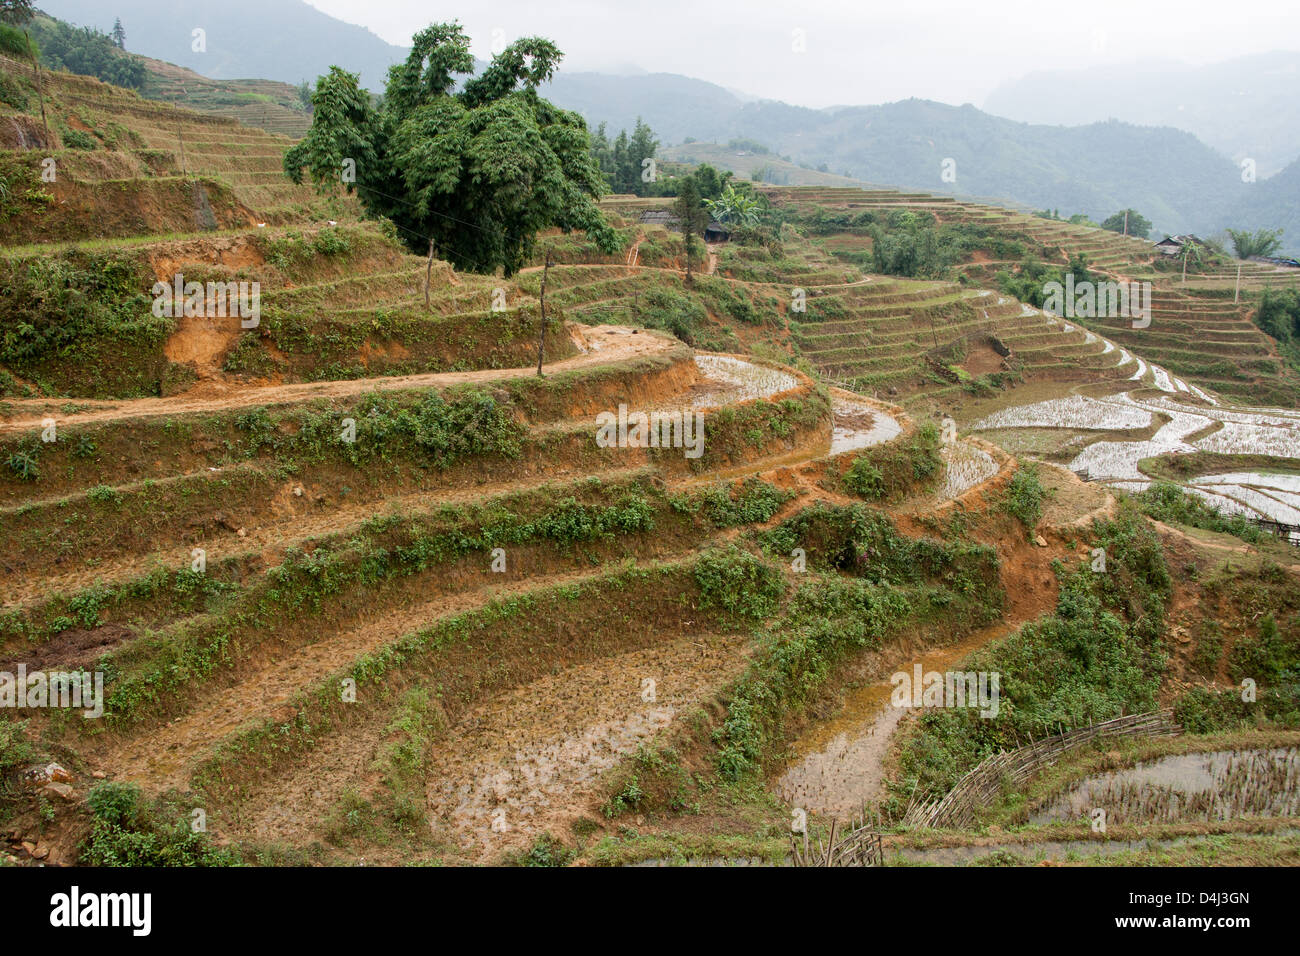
[
  {"x": 16, "y": 11},
  {"x": 479, "y": 170},
  {"x": 87, "y": 51},
  {"x": 622, "y": 161},
  {"x": 1263, "y": 242},
  {"x": 1131, "y": 220}
]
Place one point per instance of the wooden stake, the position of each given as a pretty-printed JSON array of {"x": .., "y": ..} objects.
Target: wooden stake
[
  {"x": 541, "y": 332},
  {"x": 428, "y": 276},
  {"x": 40, "y": 86}
]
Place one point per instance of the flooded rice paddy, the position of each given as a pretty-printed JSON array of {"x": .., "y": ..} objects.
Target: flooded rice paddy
[
  {"x": 1185, "y": 429},
  {"x": 1217, "y": 786}
]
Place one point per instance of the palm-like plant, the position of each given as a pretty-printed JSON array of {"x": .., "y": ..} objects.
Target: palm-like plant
[
  {"x": 1193, "y": 252},
  {"x": 734, "y": 207}
]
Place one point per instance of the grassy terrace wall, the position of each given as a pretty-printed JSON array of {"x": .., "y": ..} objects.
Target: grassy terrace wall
[
  {"x": 1102, "y": 650},
  {"x": 401, "y": 443},
  {"x": 864, "y": 584},
  {"x": 197, "y": 628},
  {"x": 33, "y": 211},
  {"x": 464, "y": 658},
  {"x": 334, "y": 304},
  {"x": 123, "y": 450}
]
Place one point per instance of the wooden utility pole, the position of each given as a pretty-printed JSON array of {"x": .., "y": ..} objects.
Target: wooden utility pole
[
  {"x": 185, "y": 170},
  {"x": 1126, "y": 223},
  {"x": 40, "y": 87},
  {"x": 1236, "y": 293},
  {"x": 428, "y": 276},
  {"x": 687, "y": 235},
  {"x": 541, "y": 332}
]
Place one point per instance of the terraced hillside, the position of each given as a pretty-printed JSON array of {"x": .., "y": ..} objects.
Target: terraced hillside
[
  {"x": 266, "y": 104},
  {"x": 361, "y": 586},
  {"x": 1200, "y": 328},
  {"x": 369, "y": 488}
]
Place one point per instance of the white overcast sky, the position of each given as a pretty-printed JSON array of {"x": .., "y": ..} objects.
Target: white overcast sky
[{"x": 954, "y": 51}]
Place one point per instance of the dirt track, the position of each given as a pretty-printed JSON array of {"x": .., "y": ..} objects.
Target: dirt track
[{"x": 600, "y": 345}]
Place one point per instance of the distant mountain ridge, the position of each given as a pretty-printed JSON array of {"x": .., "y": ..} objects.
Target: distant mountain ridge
[
  {"x": 1167, "y": 173},
  {"x": 292, "y": 40},
  {"x": 1243, "y": 107}
]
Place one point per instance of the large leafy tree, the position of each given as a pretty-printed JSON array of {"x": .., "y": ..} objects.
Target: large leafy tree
[
  {"x": 1131, "y": 220},
  {"x": 478, "y": 171},
  {"x": 1263, "y": 242},
  {"x": 16, "y": 11}
]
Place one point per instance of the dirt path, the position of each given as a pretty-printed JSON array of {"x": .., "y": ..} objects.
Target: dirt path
[
  {"x": 840, "y": 766},
  {"x": 600, "y": 345}
]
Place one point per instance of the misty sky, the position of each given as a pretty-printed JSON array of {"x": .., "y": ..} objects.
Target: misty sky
[{"x": 954, "y": 51}]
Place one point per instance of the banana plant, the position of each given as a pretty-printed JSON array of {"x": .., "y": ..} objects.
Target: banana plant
[{"x": 734, "y": 207}]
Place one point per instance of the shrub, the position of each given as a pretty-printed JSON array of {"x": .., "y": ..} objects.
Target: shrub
[
  {"x": 126, "y": 832},
  {"x": 1166, "y": 501},
  {"x": 865, "y": 480},
  {"x": 738, "y": 582},
  {"x": 77, "y": 139},
  {"x": 14, "y": 43},
  {"x": 15, "y": 749},
  {"x": 1025, "y": 494},
  {"x": 23, "y": 466}
]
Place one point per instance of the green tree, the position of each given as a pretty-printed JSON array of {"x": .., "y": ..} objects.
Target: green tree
[
  {"x": 16, "y": 11},
  {"x": 1191, "y": 254},
  {"x": 476, "y": 172},
  {"x": 1263, "y": 242},
  {"x": 641, "y": 146},
  {"x": 709, "y": 181},
  {"x": 87, "y": 51},
  {"x": 691, "y": 215},
  {"x": 119, "y": 33},
  {"x": 602, "y": 151},
  {"x": 1131, "y": 220}
]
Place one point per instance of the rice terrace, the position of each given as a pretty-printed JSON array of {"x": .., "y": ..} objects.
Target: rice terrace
[{"x": 404, "y": 468}]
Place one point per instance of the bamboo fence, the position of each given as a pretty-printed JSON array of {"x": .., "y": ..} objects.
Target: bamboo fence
[{"x": 982, "y": 784}]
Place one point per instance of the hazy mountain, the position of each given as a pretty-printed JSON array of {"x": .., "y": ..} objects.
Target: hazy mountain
[
  {"x": 1167, "y": 173},
  {"x": 676, "y": 107},
  {"x": 1244, "y": 107},
  {"x": 1270, "y": 204},
  {"x": 285, "y": 40},
  {"x": 1173, "y": 178}
]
